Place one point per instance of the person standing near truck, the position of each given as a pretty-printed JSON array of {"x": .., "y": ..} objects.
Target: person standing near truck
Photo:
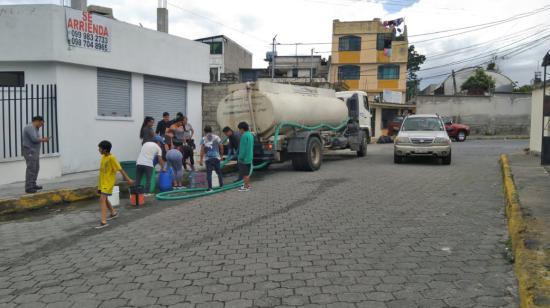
[
  {"x": 212, "y": 148},
  {"x": 234, "y": 140},
  {"x": 246, "y": 155},
  {"x": 31, "y": 152}
]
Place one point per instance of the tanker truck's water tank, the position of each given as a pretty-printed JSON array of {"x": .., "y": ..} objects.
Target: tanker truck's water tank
[{"x": 274, "y": 103}]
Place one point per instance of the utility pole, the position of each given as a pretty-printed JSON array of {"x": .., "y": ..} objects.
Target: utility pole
[
  {"x": 311, "y": 68},
  {"x": 545, "y": 138},
  {"x": 454, "y": 83},
  {"x": 273, "y": 60}
]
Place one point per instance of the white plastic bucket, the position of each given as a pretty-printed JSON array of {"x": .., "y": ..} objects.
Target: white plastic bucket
[
  {"x": 114, "y": 198},
  {"x": 215, "y": 180}
]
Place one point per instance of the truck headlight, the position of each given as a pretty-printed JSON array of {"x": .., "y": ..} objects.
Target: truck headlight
[
  {"x": 400, "y": 140},
  {"x": 442, "y": 140}
]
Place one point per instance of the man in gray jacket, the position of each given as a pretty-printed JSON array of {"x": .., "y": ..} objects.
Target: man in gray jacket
[{"x": 31, "y": 151}]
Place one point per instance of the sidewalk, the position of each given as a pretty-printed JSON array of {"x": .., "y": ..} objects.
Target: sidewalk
[
  {"x": 528, "y": 211},
  {"x": 64, "y": 189}
]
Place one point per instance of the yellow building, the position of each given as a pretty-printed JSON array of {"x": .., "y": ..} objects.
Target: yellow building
[{"x": 367, "y": 56}]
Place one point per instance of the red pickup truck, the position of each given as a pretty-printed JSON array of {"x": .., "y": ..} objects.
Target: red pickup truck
[
  {"x": 395, "y": 125},
  {"x": 459, "y": 132}
]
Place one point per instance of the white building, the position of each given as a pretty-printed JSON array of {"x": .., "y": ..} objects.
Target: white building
[
  {"x": 103, "y": 89},
  {"x": 226, "y": 58}
]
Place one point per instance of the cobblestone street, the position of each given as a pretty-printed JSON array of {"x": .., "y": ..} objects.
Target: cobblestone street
[{"x": 360, "y": 232}]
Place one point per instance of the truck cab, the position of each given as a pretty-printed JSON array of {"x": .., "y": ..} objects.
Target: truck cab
[{"x": 365, "y": 115}]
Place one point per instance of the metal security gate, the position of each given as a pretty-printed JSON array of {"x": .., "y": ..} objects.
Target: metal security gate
[
  {"x": 113, "y": 93},
  {"x": 19, "y": 105},
  {"x": 163, "y": 94}
]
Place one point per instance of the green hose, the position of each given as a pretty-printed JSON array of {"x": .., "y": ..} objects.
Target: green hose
[{"x": 191, "y": 193}]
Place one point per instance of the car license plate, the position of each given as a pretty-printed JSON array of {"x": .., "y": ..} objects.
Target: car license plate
[{"x": 421, "y": 151}]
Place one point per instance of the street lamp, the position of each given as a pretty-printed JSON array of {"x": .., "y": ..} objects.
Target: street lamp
[{"x": 545, "y": 144}]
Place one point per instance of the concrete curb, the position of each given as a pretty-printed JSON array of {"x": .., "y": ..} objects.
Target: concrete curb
[
  {"x": 496, "y": 137},
  {"x": 530, "y": 265},
  {"x": 49, "y": 198}
]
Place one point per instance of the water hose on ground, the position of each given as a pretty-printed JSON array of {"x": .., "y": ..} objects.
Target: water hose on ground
[{"x": 191, "y": 193}]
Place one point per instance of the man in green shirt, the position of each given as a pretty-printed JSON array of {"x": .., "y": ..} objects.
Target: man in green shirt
[{"x": 246, "y": 154}]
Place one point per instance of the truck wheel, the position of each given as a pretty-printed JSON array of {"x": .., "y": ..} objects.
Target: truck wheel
[
  {"x": 314, "y": 154},
  {"x": 363, "y": 148},
  {"x": 311, "y": 159}
]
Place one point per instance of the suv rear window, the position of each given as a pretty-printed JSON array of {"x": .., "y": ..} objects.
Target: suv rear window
[{"x": 422, "y": 124}]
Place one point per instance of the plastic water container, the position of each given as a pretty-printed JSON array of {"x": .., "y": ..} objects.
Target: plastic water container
[
  {"x": 114, "y": 198},
  {"x": 165, "y": 180},
  {"x": 137, "y": 197},
  {"x": 215, "y": 180}
]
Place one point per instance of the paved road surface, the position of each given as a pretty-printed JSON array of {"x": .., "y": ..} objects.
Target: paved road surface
[{"x": 358, "y": 233}]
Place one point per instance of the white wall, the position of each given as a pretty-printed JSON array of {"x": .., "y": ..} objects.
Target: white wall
[
  {"x": 492, "y": 115},
  {"x": 38, "y": 33},
  {"x": 81, "y": 129},
  {"x": 194, "y": 109},
  {"x": 14, "y": 171},
  {"x": 35, "y": 72}
]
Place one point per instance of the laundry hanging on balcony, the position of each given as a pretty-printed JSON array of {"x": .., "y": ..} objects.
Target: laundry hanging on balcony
[{"x": 396, "y": 25}]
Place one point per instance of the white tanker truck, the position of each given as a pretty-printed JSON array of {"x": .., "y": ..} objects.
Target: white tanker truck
[{"x": 296, "y": 122}]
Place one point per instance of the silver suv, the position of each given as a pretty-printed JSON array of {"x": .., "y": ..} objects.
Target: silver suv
[{"x": 422, "y": 135}]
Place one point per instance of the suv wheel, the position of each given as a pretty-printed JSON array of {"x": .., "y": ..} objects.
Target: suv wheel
[
  {"x": 446, "y": 160},
  {"x": 397, "y": 159}
]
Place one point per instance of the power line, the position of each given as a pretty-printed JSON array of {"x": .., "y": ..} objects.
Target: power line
[
  {"x": 490, "y": 53},
  {"x": 502, "y": 38},
  {"x": 478, "y": 27},
  {"x": 490, "y": 24}
]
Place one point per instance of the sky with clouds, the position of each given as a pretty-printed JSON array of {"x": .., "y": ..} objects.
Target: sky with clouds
[{"x": 518, "y": 40}]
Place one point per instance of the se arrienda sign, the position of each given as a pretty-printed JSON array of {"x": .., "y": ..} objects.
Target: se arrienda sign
[{"x": 87, "y": 31}]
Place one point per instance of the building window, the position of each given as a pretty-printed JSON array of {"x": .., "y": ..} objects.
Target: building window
[
  {"x": 349, "y": 43},
  {"x": 388, "y": 72},
  {"x": 349, "y": 72},
  {"x": 216, "y": 48},
  {"x": 313, "y": 73},
  {"x": 295, "y": 72},
  {"x": 113, "y": 93},
  {"x": 383, "y": 40},
  {"x": 214, "y": 74},
  {"x": 12, "y": 79}
]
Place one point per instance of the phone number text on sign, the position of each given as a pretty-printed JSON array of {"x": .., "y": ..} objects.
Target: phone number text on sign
[{"x": 83, "y": 32}]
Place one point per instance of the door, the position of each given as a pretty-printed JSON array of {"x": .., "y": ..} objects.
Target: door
[
  {"x": 164, "y": 95},
  {"x": 364, "y": 113}
]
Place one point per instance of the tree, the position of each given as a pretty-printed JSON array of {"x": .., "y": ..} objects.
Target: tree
[
  {"x": 414, "y": 61},
  {"x": 479, "y": 83},
  {"x": 491, "y": 66}
]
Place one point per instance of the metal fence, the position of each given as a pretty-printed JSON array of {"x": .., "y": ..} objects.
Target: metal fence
[{"x": 19, "y": 105}]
